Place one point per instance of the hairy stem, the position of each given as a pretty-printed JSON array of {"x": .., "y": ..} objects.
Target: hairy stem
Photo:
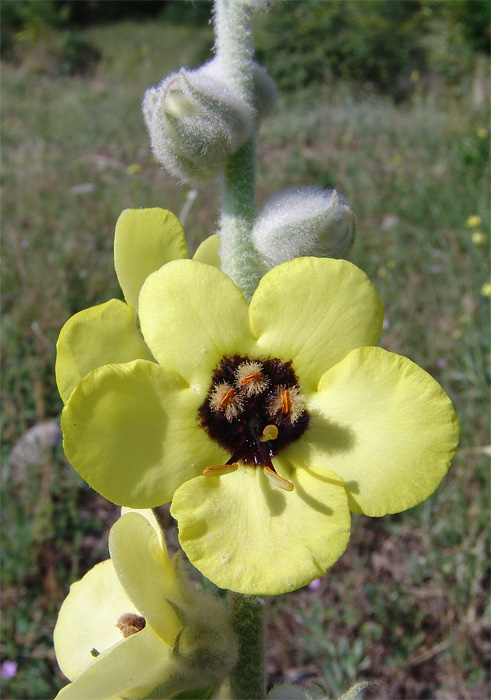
[
  {"x": 248, "y": 682},
  {"x": 234, "y": 47}
]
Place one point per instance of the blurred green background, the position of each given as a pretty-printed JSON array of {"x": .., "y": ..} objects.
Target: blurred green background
[{"x": 389, "y": 102}]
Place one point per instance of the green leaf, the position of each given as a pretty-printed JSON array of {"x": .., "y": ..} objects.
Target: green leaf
[{"x": 353, "y": 692}]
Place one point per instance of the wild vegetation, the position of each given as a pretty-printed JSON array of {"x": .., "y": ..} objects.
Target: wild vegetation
[{"x": 407, "y": 606}]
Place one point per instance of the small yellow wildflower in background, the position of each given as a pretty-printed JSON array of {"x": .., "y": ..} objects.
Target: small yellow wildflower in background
[
  {"x": 486, "y": 289},
  {"x": 473, "y": 221},
  {"x": 481, "y": 132},
  {"x": 478, "y": 238},
  {"x": 133, "y": 169}
]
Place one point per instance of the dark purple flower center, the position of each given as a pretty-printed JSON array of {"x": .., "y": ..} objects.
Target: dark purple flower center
[{"x": 254, "y": 409}]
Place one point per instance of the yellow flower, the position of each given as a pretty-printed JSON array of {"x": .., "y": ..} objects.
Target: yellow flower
[
  {"x": 482, "y": 132},
  {"x": 265, "y": 423},
  {"x": 108, "y": 333},
  {"x": 486, "y": 289},
  {"x": 473, "y": 221},
  {"x": 135, "y": 626},
  {"x": 478, "y": 238}
]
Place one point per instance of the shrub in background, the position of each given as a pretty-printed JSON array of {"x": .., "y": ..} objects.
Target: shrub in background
[
  {"x": 369, "y": 42},
  {"x": 35, "y": 32},
  {"x": 377, "y": 43}
]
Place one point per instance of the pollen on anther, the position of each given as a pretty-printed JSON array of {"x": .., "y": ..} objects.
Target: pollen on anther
[
  {"x": 224, "y": 399},
  {"x": 287, "y": 401},
  {"x": 130, "y": 623},
  {"x": 250, "y": 379}
]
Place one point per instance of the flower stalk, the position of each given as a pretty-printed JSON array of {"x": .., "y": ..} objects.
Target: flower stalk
[
  {"x": 248, "y": 681},
  {"x": 239, "y": 257},
  {"x": 234, "y": 47}
]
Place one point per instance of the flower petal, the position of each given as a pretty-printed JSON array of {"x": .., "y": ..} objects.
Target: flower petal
[
  {"x": 191, "y": 316},
  {"x": 131, "y": 432},
  {"x": 88, "y": 617},
  {"x": 149, "y": 514},
  {"x": 246, "y": 535},
  {"x": 314, "y": 311},
  {"x": 101, "y": 335},
  {"x": 131, "y": 669},
  {"x": 144, "y": 571},
  {"x": 145, "y": 240},
  {"x": 208, "y": 251},
  {"x": 385, "y": 426}
]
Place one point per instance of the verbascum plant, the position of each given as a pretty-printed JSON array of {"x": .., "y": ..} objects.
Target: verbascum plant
[{"x": 245, "y": 387}]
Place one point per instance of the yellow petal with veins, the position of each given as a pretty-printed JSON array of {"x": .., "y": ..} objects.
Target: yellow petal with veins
[{"x": 247, "y": 535}]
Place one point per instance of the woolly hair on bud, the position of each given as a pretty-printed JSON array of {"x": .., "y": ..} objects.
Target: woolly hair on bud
[
  {"x": 263, "y": 91},
  {"x": 301, "y": 222},
  {"x": 195, "y": 123}
]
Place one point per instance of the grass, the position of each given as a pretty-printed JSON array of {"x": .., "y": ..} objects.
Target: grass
[{"x": 406, "y": 606}]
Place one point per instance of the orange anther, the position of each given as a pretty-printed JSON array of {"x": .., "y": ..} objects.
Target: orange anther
[
  {"x": 286, "y": 403},
  {"x": 220, "y": 469},
  {"x": 227, "y": 398},
  {"x": 253, "y": 377},
  {"x": 278, "y": 480}
]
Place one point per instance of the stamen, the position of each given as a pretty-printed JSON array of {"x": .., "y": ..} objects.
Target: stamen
[
  {"x": 227, "y": 398},
  {"x": 220, "y": 469},
  {"x": 130, "y": 623},
  {"x": 224, "y": 399},
  {"x": 250, "y": 378},
  {"x": 288, "y": 401},
  {"x": 253, "y": 377},
  {"x": 270, "y": 432},
  {"x": 278, "y": 480}
]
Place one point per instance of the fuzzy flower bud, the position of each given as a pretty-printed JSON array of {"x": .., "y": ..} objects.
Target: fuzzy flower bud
[
  {"x": 304, "y": 221},
  {"x": 195, "y": 123},
  {"x": 263, "y": 89}
]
